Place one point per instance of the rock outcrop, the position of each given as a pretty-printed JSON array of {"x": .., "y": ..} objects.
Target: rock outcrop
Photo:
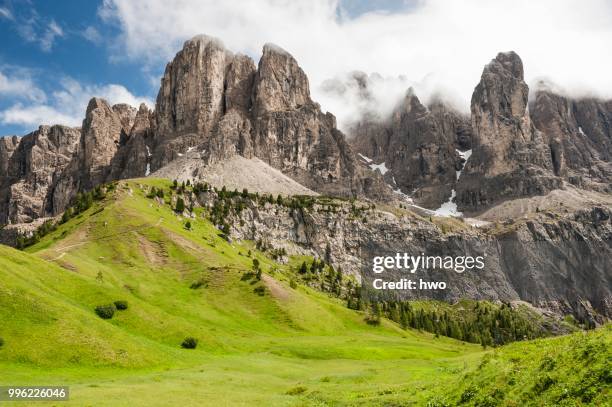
[
  {"x": 579, "y": 133},
  {"x": 43, "y": 171},
  {"x": 510, "y": 157},
  {"x": 102, "y": 133},
  {"x": 220, "y": 104},
  {"x": 554, "y": 260},
  {"x": 211, "y": 102},
  {"x": 418, "y": 145},
  {"x": 32, "y": 170}
]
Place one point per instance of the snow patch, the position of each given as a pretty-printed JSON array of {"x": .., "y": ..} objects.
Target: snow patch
[
  {"x": 466, "y": 156},
  {"x": 380, "y": 167},
  {"x": 149, "y": 155},
  {"x": 403, "y": 196},
  {"x": 449, "y": 208},
  {"x": 190, "y": 149},
  {"x": 366, "y": 159},
  {"x": 581, "y": 131}
]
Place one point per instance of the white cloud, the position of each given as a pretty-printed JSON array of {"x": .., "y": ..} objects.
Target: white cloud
[
  {"x": 20, "y": 86},
  {"x": 47, "y": 39},
  {"x": 67, "y": 105},
  {"x": 447, "y": 43},
  {"x": 35, "y": 115},
  {"x": 92, "y": 34},
  {"x": 36, "y": 30},
  {"x": 6, "y": 13}
]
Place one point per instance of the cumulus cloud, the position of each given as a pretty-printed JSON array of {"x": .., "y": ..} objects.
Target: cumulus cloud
[
  {"x": 20, "y": 85},
  {"x": 34, "y": 115},
  {"x": 67, "y": 105},
  {"x": 440, "y": 44}
]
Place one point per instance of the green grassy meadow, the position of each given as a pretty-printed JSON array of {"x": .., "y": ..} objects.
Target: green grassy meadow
[{"x": 290, "y": 346}]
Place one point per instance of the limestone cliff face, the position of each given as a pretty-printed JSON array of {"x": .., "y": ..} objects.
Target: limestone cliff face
[
  {"x": 7, "y": 147},
  {"x": 132, "y": 159},
  {"x": 418, "y": 145},
  {"x": 102, "y": 133},
  {"x": 43, "y": 171},
  {"x": 31, "y": 170},
  {"x": 220, "y": 104},
  {"x": 579, "y": 133},
  {"x": 510, "y": 157},
  {"x": 211, "y": 103},
  {"x": 557, "y": 261},
  {"x": 280, "y": 84},
  {"x": 292, "y": 134},
  {"x": 191, "y": 98}
]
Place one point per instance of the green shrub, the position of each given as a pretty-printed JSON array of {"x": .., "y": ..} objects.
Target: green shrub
[
  {"x": 548, "y": 363},
  {"x": 543, "y": 383},
  {"x": 180, "y": 205},
  {"x": 197, "y": 284},
  {"x": 468, "y": 394},
  {"x": 106, "y": 311},
  {"x": 293, "y": 284},
  {"x": 1, "y": 342},
  {"x": 296, "y": 390},
  {"x": 189, "y": 343},
  {"x": 259, "y": 290},
  {"x": 121, "y": 305}
]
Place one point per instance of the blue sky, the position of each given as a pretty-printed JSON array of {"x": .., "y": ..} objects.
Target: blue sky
[
  {"x": 75, "y": 48},
  {"x": 55, "y": 55}
]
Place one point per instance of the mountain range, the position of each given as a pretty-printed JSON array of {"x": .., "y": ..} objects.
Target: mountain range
[{"x": 531, "y": 175}]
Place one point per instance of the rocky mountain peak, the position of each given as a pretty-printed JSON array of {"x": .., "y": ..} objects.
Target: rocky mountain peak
[
  {"x": 126, "y": 114},
  {"x": 499, "y": 103},
  {"x": 190, "y": 98},
  {"x": 510, "y": 158},
  {"x": 417, "y": 145},
  {"x": 30, "y": 167},
  {"x": 102, "y": 134},
  {"x": 508, "y": 62},
  {"x": 411, "y": 105},
  {"x": 280, "y": 83}
]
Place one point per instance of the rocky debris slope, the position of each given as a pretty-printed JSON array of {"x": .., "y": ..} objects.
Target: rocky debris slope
[
  {"x": 553, "y": 260},
  {"x": 235, "y": 173}
]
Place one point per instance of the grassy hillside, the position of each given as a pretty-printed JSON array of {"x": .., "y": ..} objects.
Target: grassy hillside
[
  {"x": 565, "y": 371},
  {"x": 289, "y": 346}
]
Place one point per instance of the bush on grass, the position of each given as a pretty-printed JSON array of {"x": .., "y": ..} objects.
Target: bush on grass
[
  {"x": 189, "y": 343},
  {"x": 106, "y": 311}
]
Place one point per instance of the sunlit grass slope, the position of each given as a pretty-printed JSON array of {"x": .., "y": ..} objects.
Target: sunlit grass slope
[
  {"x": 131, "y": 248},
  {"x": 286, "y": 347}
]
